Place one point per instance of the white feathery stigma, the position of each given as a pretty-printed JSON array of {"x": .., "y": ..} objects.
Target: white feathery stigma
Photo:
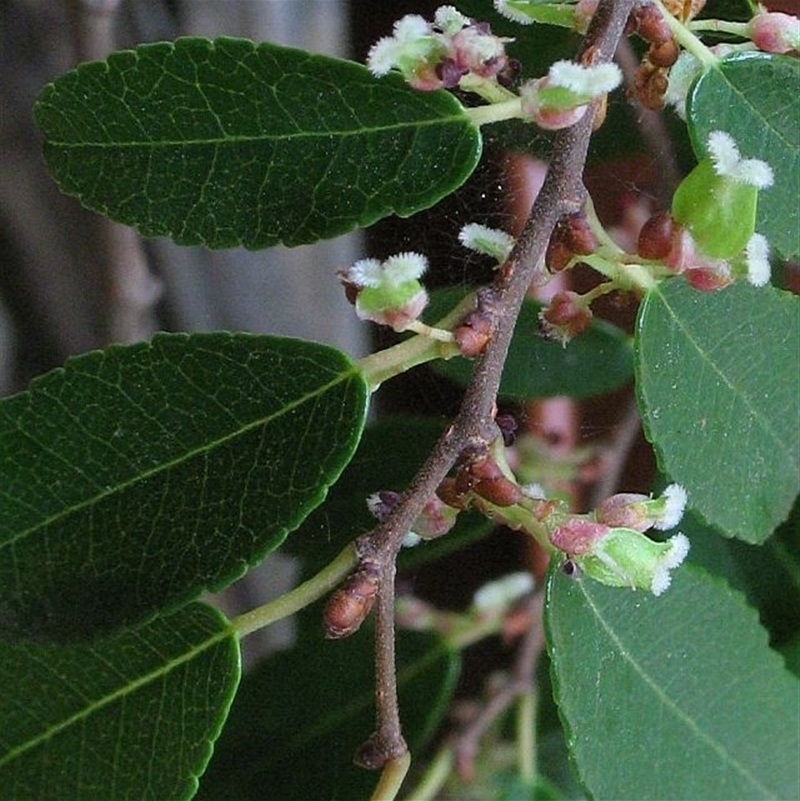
[
  {"x": 757, "y": 256},
  {"x": 582, "y": 80},
  {"x": 482, "y": 239},
  {"x": 508, "y": 10},
  {"x": 674, "y": 497},
  {"x": 728, "y": 162}
]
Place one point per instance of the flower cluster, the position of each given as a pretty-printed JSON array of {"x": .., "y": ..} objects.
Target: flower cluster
[
  {"x": 387, "y": 292},
  {"x": 612, "y": 548},
  {"x": 561, "y": 97},
  {"x": 709, "y": 234},
  {"x": 438, "y": 54}
]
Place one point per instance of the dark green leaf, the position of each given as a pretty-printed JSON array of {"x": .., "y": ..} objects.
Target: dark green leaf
[
  {"x": 389, "y": 454},
  {"x": 675, "y": 697},
  {"x": 754, "y": 98},
  {"x": 229, "y": 143},
  {"x": 719, "y": 392},
  {"x": 138, "y": 476},
  {"x": 597, "y": 361},
  {"x": 300, "y": 716},
  {"x": 764, "y": 573},
  {"x": 131, "y": 717}
]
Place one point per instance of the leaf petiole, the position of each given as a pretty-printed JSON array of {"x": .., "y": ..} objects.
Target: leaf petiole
[{"x": 298, "y": 598}]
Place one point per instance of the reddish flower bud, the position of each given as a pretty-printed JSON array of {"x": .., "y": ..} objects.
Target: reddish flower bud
[
  {"x": 625, "y": 510},
  {"x": 578, "y": 236},
  {"x": 655, "y": 237},
  {"x": 349, "y": 606},
  {"x": 473, "y": 333},
  {"x": 578, "y": 535},
  {"x": 449, "y": 494},
  {"x": 500, "y": 491},
  {"x": 649, "y": 23},
  {"x": 664, "y": 54},
  {"x": 565, "y": 317},
  {"x": 710, "y": 277},
  {"x": 775, "y": 32},
  {"x": 558, "y": 255}
]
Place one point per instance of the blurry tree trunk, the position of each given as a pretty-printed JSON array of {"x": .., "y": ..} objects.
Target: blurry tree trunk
[{"x": 72, "y": 280}]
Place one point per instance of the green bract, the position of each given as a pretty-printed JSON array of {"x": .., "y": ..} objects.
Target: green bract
[{"x": 719, "y": 211}]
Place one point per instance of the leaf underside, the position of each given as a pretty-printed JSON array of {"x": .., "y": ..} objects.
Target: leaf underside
[
  {"x": 138, "y": 476},
  {"x": 301, "y": 714},
  {"x": 719, "y": 390},
  {"x": 226, "y": 142},
  {"x": 674, "y": 697},
  {"x": 131, "y": 717}
]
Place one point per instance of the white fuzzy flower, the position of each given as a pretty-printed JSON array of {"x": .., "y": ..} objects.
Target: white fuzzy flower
[
  {"x": 674, "y": 497},
  {"x": 508, "y": 8},
  {"x": 410, "y": 39},
  {"x": 482, "y": 239},
  {"x": 410, "y": 28},
  {"x": 449, "y": 20},
  {"x": 404, "y": 267},
  {"x": 728, "y": 162},
  {"x": 366, "y": 272},
  {"x": 757, "y": 257},
  {"x": 681, "y": 75},
  {"x": 534, "y": 491},
  {"x": 679, "y": 548},
  {"x": 585, "y": 81},
  {"x": 382, "y": 56},
  {"x": 501, "y": 594}
]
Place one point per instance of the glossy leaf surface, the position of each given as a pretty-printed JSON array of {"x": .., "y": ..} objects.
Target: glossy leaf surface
[
  {"x": 138, "y": 476},
  {"x": 226, "y": 142},
  {"x": 300, "y": 716},
  {"x": 130, "y": 717},
  {"x": 673, "y": 697},
  {"x": 754, "y": 98},
  {"x": 598, "y": 360},
  {"x": 719, "y": 392}
]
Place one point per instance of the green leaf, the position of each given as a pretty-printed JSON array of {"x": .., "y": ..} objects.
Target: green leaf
[
  {"x": 719, "y": 392},
  {"x": 344, "y": 515},
  {"x": 599, "y": 360},
  {"x": 754, "y": 98},
  {"x": 300, "y": 716},
  {"x": 226, "y": 142},
  {"x": 138, "y": 476},
  {"x": 134, "y": 716},
  {"x": 674, "y": 697}
]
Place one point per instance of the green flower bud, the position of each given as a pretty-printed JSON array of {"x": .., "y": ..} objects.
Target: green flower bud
[
  {"x": 625, "y": 557},
  {"x": 717, "y": 200}
]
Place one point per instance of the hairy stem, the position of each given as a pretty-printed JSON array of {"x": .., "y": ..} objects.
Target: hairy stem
[{"x": 561, "y": 193}]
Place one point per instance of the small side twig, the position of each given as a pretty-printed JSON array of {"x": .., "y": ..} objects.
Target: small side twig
[
  {"x": 467, "y": 743},
  {"x": 562, "y": 193}
]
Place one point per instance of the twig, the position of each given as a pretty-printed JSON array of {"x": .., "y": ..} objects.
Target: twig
[
  {"x": 562, "y": 193},
  {"x": 466, "y": 746}
]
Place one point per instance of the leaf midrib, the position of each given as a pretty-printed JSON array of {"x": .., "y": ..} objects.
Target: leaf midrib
[
  {"x": 667, "y": 702},
  {"x": 779, "y": 443},
  {"x": 170, "y": 464},
  {"x": 456, "y": 119},
  {"x": 121, "y": 692}
]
